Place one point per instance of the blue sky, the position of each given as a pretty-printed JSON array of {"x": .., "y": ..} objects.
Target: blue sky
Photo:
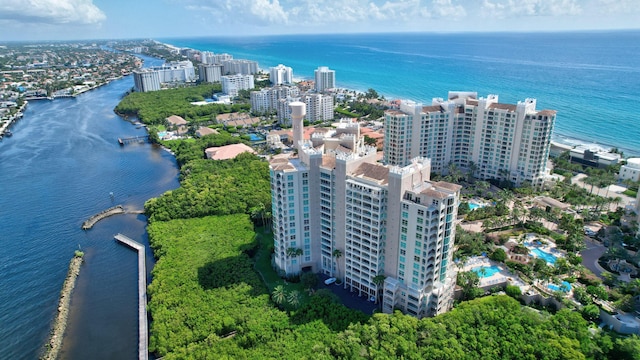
[{"x": 109, "y": 19}]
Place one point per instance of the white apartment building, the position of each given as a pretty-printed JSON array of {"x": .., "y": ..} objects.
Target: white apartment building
[
  {"x": 265, "y": 100},
  {"x": 498, "y": 141},
  {"x": 208, "y": 57},
  {"x": 150, "y": 79},
  {"x": 631, "y": 170},
  {"x": 339, "y": 212},
  {"x": 325, "y": 78},
  {"x": 176, "y": 71},
  {"x": 210, "y": 73},
  {"x": 281, "y": 75},
  {"x": 319, "y": 108},
  {"x": 240, "y": 66},
  {"x": 231, "y": 84},
  {"x": 146, "y": 80}
]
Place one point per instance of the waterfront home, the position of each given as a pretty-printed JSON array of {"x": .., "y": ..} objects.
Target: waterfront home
[{"x": 227, "y": 152}]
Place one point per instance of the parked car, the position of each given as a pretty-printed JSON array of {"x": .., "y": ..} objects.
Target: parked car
[{"x": 330, "y": 281}]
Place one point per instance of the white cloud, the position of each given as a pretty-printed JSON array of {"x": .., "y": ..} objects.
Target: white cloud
[
  {"x": 257, "y": 12},
  {"x": 618, "y": 6},
  {"x": 51, "y": 11},
  {"x": 525, "y": 8},
  {"x": 323, "y": 12}
]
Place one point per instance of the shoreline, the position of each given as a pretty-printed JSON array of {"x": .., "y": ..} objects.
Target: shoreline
[
  {"x": 556, "y": 137},
  {"x": 54, "y": 344}
]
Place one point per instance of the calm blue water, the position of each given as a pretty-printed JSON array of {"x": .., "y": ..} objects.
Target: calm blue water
[
  {"x": 489, "y": 271},
  {"x": 550, "y": 258},
  {"x": 591, "y": 79},
  {"x": 56, "y": 171},
  {"x": 565, "y": 287}
]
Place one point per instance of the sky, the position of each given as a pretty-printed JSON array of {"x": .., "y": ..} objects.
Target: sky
[{"x": 134, "y": 19}]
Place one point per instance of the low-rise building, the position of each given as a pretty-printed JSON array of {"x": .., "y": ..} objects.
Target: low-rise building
[
  {"x": 227, "y": 152},
  {"x": 631, "y": 170}
]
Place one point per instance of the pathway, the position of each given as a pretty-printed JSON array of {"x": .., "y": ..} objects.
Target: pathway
[{"x": 143, "y": 341}]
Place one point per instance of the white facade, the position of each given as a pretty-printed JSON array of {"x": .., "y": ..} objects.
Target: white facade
[
  {"x": 319, "y": 108},
  {"x": 146, "y": 80},
  {"x": 210, "y": 73},
  {"x": 339, "y": 212},
  {"x": 231, "y": 84},
  {"x": 281, "y": 75},
  {"x": 177, "y": 71},
  {"x": 266, "y": 100},
  {"x": 208, "y": 57},
  {"x": 325, "y": 79},
  {"x": 240, "y": 66},
  {"x": 631, "y": 170},
  {"x": 497, "y": 141}
]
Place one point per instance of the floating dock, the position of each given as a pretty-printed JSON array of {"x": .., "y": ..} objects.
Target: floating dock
[{"x": 143, "y": 334}]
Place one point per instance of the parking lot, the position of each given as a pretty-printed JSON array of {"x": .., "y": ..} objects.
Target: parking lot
[{"x": 348, "y": 298}]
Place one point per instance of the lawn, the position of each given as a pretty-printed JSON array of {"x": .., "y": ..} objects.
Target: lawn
[{"x": 269, "y": 276}]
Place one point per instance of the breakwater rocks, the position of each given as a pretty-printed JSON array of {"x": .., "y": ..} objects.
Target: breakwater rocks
[
  {"x": 52, "y": 347},
  {"x": 118, "y": 209}
]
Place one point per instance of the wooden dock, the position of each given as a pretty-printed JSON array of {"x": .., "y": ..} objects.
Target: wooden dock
[
  {"x": 135, "y": 139},
  {"x": 143, "y": 334}
]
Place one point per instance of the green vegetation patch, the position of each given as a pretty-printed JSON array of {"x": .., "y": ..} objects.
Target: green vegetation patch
[
  {"x": 494, "y": 327},
  {"x": 155, "y": 106},
  {"x": 214, "y": 187},
  {"x": 207, "y": 301}
]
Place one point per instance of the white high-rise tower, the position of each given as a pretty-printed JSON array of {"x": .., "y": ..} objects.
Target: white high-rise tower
[
  {"x": 325, "y": 78},
  {"x": 298, "y": 111}
]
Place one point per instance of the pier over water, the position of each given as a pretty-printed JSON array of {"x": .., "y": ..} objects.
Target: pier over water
[{"x": 143, "y": 337}]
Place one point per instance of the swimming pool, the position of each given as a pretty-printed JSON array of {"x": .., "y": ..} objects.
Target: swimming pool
[
  {"x": 255, "y": 137},
  {"x": 162, "y": 134},
  {"x": 489, "y": 271},
  {"x": 550, "y": 258},
  {"x": 565, "y": 287}
]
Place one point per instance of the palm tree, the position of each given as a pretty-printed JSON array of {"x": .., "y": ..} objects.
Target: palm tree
[
  {"x": 472, "y": 168},
  {"x": 378, "y": 280},
  {"x": 279, "y": 295},
  {"x": 337, "y": 254},
  {"x": 294, "y": 298}
]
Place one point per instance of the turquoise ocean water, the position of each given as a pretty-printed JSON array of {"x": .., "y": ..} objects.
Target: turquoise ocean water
[{"x": 591, "y": 78}]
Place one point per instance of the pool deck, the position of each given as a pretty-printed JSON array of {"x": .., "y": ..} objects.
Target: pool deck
[{"x": 499, "y": 278}]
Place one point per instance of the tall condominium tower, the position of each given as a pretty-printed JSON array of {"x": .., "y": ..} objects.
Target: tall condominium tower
[
  {"x": 325, "y": 78},
  {"x": 209, "y": 72},
  {"x": 281, "y": 75},
  {"x": 489, "y": 138},
  {"x": 385, "y": 231},
  {"x": 146, "y": 80}
]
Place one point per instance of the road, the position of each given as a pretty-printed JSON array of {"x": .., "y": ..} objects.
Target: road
[{"x": 591, "y": 254}]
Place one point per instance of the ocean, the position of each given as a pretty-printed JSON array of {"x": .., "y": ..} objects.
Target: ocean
[
  {"x": 57, "y": 170},
  {"x": 591, "y": 78}
]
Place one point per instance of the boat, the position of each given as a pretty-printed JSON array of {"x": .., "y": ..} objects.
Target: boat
[{"x": 8, "y": 133}]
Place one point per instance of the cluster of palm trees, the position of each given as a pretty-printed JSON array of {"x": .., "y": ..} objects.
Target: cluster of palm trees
[{"x": 281, "y": 297}]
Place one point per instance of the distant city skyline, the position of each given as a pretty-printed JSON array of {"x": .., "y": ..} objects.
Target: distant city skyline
[{"x": 119, "y": 19}]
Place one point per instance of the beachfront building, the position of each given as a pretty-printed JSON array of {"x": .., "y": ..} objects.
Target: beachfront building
[
  {"x": 630, "y": 170},
  {"x": 491, "y": 139},
  {"x": 281, "y": 75},
  {"x": 207, "y": 57},
  {"x": 210, "y": 73},
  {"x": 240, "y": 66},
  {"x": 151, "y": 79},
  {"x": 386, "y": 232},
  {"x": 146, "y": 80},
  {"x": 325, "y": 79},
  {"x": 176, "y": 72},
  {"x": 265, "y": 100},
  {"x": 319, "y": 108},
  {"x": 231, "y": 84}
]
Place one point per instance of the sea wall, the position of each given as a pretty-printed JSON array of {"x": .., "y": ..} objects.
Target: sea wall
[
  {"x": 118, "y": 209},
  {"x": 53, "y": 346}
]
